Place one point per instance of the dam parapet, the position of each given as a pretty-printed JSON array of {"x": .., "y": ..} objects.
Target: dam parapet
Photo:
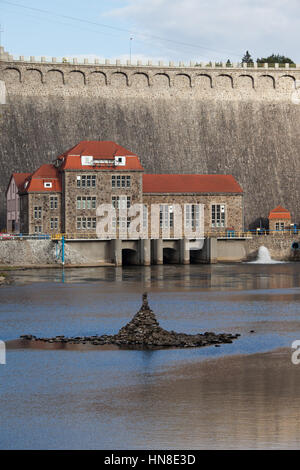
[
  {"x": 74, "y": 77},
  {"x": 5, "y": 56}
]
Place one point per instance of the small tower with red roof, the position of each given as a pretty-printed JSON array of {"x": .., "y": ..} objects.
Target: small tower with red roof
[{"x": 279, "y": 219}]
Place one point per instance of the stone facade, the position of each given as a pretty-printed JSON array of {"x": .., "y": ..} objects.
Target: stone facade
[
  {"x": 103, "y": 192},
  {"x": 234, "y": 216},
  {"x": 38, "y": 215},
  {"x": 68, "y": 197},
  {"x": 279, "y": 224},
  {"x": 225, "y": 109}
]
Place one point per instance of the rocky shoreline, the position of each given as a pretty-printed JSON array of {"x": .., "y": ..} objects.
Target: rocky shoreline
[{"x": 144, "y": 332}]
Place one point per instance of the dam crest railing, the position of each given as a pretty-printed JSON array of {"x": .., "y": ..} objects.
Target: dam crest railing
[{"x": 6, "y": 57}]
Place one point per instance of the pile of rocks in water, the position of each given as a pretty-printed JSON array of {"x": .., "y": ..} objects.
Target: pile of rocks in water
[
  {"x": 4, "y": 279},
  {"x": 144, "y": 332}
]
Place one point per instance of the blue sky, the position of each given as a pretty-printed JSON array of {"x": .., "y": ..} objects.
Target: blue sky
[{"x": 161, "y": 29}]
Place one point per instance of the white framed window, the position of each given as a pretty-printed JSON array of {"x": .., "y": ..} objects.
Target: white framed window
[
  {"x": 86, "y": 181},
  {"x": 86, "y": 202},
  {"x": 86, "y": 223},
  {"x": 120, "y": 181},
  {"x": 37, "y": 212},
  {"x": 218, "y": 215},
  {"x": 121, "y": 202},
  {"x": 120, "y": 161},
  {"x": 279, "y": 226},
  {"x": 192, "y": 216},
  {"x": 53, "y": 202},
  {"x": 48, "y": 185},
  {"x": 166, "y": 216},
  {"x": 54, "y": 223},
  {"x": 87, "y": 160}
]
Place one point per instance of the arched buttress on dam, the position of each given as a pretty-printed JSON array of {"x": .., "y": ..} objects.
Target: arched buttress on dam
[{"x": 177, "y": 119}]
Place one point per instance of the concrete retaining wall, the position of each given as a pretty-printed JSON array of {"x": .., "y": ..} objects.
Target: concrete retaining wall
[
  {"x": 279, "y": 247},
  {"x": 89, "y": 253}
]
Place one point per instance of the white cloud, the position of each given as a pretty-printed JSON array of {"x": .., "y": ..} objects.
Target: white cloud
[{"x": 218, "y": 29}]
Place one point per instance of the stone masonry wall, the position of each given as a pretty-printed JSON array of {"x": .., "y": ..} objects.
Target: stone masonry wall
[
  {"x": 40, "y": 253},
  {"x": 43, "y": 201},
  {"x": 233, "y": 207},
  {"x": 177, "y": 119},
  {"x": 273, "y": 222},
  {"x": 103, "y": 192},
  {"x": 279, "y": 246}
]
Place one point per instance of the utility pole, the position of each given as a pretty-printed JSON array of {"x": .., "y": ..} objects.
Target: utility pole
[{"x": 130, "y": 42}]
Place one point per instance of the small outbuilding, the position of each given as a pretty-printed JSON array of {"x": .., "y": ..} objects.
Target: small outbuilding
[{"x": 279, "y": 219}]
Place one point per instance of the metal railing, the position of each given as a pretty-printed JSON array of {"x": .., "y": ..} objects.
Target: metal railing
[
  {"x": 21, "y": 236},
  {"x": 228, "y": 234}
]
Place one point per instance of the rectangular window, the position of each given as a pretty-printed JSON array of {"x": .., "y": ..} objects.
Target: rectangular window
[
  {"x": 37, "y": 211},
  {"x": 38, "y": 229},
  {"x": 54, "y": 223},
  {"x": 192, "y": 216},
  {"x": 120, "y": 181},
  {"x": 279, "y": 226},
  {"x": 86, "y": 202},
  {"x": 121, "y": 202},
  {"x": 86, "y": 223},
  {"x": 218, "y": 215},
  {"x": 86, "y": 181},
  {"x": 53, "y": 202},
  {"x": 166, "y": 216}
]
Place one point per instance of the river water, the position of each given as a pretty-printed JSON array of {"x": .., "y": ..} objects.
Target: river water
[{"x": 227, "y": 397}]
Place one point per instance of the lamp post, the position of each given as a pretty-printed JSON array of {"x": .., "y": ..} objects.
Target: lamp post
[{"x": 130, "y": 42}]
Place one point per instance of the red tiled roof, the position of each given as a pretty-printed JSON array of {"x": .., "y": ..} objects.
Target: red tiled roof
[
  {"x": 98, "y": 149},
  {"x": 190, "y": 184},
  {"x": 280, "y": 213},
  {"x": 74, "y": 163},
  {"x": 44, "y": 174},
  {"x": 19, "y": 180},
  {"x": 105, "y": 150}
]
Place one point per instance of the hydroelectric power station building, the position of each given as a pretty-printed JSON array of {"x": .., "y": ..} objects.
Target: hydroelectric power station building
[{"x": 64, "y": 196}]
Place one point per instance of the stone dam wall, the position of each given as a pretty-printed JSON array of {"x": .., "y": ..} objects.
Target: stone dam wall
[{"x": 177, "y": 119}]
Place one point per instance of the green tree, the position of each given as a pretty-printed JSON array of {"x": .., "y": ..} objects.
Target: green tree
[
  {"x": 275, "y": 59},
  {"x": 247, "y": 59},
  {"x": 228, "y": 63}
]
